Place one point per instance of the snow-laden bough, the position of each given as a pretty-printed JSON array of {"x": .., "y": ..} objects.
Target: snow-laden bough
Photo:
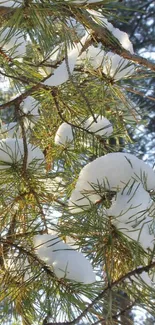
[
  {"x": 115, "y": 67},
  {"x": 112, "y": 65},
  {"x": 143, "y": 233},
  {"x": 15, "y": 44},
  {"x": 66, "y": 68},
  {"x": 64, "y": 259},
  {"x": 11, "y": 130},
  {"x": 102, "y": 126},
  {"x": 130, "y": 206},
  {"x": 130, "y": 213},
  {"x": 31, "y": 107},
  {"x": 12, "y": 151},
  {"x": 122, "y": 37},
  {"x": 64, "y": 134},
  {"x": 112, "y": 172}
]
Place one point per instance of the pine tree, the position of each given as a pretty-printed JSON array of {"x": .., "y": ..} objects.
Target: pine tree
[{"x": 76, "y": 208}]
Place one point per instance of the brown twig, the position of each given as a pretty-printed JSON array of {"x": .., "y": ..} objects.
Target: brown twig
[
  {"x": 24, "y": 137},
  {"x": 101, "y": 34},
  {"x": 54, "y": 93},
  {"x": 24, "y": 95},
  {"x": 5, "y": 56},
  {"x": 109, "y": 287},
  {"x": 34, "y": 257},
  {"x": 122, "y": 312},
  {"x": 40, "y": 208},
  {"x": 138, "y": 93}
]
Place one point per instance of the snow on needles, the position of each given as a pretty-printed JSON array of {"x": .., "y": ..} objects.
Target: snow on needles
[
  {"x": 112, "y": 65},
  {"x": 64, "y": 134},
  {"x": 112, "y": 172},
  {"x": 12, "y": 151},
  {"x": 14, "y": 44},
  {"x": 122, "y": 37},
  {"x": 130, "y": 210},
  {"x": 130, "y": 178},
  {"x": 66, "y": 68},
  {"x": 64, "y": 259},
  {"x": 100, "y": 126},
  {"x": 130, "y": 205},
  {"x": 30, "y": 106}
]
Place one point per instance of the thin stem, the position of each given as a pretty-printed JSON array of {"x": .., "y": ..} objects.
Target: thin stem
[
  {"x": 101, "y": 34},
  {"x": 138, "y": 93},
  {"x": 109, "y": 287},
  {"x": 21, "y": 122}
]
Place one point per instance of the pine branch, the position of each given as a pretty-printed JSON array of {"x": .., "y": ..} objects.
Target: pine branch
[
  {"x": 62, "y": 103},
  {"x": 34, "y": 257},
  {"x": 20, "y": 98},
  {"x": 55, "y": 97},
  {"x": 104, "y": 322},
  {"x": 115, "y": 317},
  {"x": 6, "y": 12},
  {"x": 21, "y": 123},
  {"x": 101, "y": 34},
  {"x": 138, "y": 93},
  {"x": 40, "y": 207},
  {"x": 52, "y": 10},
  {"x": 102, "y": 294}
]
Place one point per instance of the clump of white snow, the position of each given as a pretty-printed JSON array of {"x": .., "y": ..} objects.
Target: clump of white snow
[
  {"x": 130, "y": 206},
  {"x": 112, "y": 172},
  {"x": 130, "y": 213},
  {"x": 101, "y": 126},
  {"x": 122, "y": 37},
  {"x": 81, "y": 200},
  {"x": 116, "y": 67},
  {"x": 66, "y": 68},
  {"x": 64, "y": 134},
  {"x": 65, "y": 261},
  {"x": 93, "y": 56},
  {"x": 142, "y": 233},
  {"x": 14, "y": 44},
  {"x": 12, "y": 151},
  {"x": 111, "y": 64},
  {"x": 11, "y": 130},
  {"x": 30, "y": 106}
]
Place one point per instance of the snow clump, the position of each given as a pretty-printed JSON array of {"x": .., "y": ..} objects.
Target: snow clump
[
  {"x": 112, "y": 172},
  {"x": 12, "y": 151},
  {"x": 65, "y": 261}
]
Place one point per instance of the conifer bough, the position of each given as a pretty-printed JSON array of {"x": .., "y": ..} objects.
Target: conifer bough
[{"x": 76, "y": 215}]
